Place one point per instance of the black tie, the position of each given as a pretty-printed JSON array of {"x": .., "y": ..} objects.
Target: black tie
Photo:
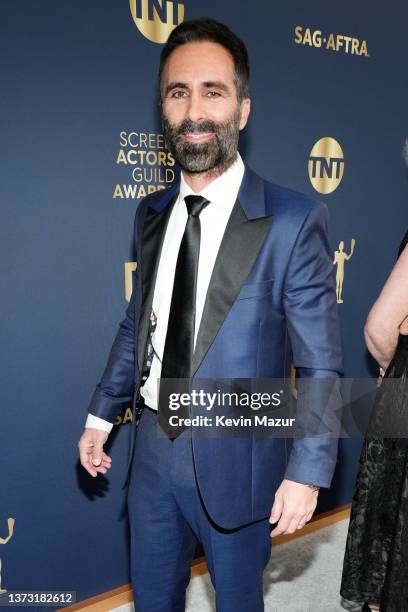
[{"x": 179, "y": 344}]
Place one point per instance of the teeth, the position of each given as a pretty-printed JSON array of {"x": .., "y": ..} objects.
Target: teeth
[{"x": 198, "y": 135}]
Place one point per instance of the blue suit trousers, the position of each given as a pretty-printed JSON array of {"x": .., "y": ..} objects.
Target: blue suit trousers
[{"x": 167, "y": 519}]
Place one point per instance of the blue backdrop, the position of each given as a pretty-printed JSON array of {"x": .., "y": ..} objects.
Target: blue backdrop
[{"x": 80, "y": 144}]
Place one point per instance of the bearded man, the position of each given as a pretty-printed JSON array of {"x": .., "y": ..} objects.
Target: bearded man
[{"x": 234, "y": 281}]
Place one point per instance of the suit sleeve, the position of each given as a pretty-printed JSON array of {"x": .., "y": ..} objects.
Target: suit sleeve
[
  {"x": 311, "y": 311},
  {"x": 116, "y": 387}
]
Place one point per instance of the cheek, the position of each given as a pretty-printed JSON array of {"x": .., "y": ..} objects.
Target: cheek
[
  {"x": 218, "y": 114},
  {"x": 174, "y": 113}
]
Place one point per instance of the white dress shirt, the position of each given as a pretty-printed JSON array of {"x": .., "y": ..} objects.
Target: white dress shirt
[{"x": 222, "y": 194}]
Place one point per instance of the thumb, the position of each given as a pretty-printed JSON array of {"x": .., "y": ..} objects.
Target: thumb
[
  {"x": 96, "y": 457},
  {"x": 276, "y": 510}
]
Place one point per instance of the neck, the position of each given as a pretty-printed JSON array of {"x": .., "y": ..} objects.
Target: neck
[{"x": 198, "y": 181}]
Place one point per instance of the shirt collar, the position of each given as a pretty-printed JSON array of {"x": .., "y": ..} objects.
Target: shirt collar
[{"x": 224, "y": 187}]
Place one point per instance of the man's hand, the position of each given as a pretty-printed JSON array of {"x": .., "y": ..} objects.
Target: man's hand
[
  {"x": 293, "y": 507},
  {"x": 91, "y": 453}
]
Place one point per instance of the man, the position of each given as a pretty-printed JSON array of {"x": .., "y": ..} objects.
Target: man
[{"x": 234, "y": 278}]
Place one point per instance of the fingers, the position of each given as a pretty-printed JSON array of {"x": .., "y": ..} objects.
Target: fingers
[
  {"x": 92, "y": 456},
  {"x": 94, "y": 470},
  {"x": 276, "y": 511},
  {"x": 282, "y": 526},
  {"x": 294, "y": 505},
  {"x": 309, "y": 516},
  {"x": 292, "y": 517},
  {"x": 302, "y": 522},
  {"x": 100, "y": 462},
  {"x": 96, "y": 453},
  {"x": 85, "y": 459},
  {"x": 289, "y": 523}
]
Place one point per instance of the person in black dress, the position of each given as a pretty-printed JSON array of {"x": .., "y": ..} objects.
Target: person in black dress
[{"x": 375, "y": 568}]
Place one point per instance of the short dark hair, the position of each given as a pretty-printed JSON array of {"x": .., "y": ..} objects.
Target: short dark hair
[{"x": 207, "y": 29}]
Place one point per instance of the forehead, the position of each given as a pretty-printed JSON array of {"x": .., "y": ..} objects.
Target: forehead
[{"x": 203, "y": 60}]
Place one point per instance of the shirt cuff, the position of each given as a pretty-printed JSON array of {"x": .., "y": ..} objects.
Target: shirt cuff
[{"x": 98, "y": 423}]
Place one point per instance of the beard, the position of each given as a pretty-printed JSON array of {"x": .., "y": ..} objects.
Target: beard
[{"x": 218, "y": 152}]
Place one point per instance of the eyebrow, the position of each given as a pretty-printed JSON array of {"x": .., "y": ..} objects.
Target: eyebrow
[{"x": 207, "y": 84}]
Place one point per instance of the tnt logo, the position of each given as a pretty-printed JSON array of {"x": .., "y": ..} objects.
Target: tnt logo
[
  {"x": 157, "y": 18},
  {"x": 326, "y": 165}
]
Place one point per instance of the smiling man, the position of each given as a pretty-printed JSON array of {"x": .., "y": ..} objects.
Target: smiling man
[
  {"x": 234, "y": 280},
  {"x": 207, "y": 112}
]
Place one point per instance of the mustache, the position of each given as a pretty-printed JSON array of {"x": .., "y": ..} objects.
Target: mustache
[{"x": 191, "y": 126}]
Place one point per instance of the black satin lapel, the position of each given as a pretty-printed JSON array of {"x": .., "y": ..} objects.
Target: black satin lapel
[
  {"x": 154, "y": 229},
  {"x": 239, "y": 248}
]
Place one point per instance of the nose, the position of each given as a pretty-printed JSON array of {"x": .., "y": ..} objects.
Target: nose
[{"x": 196, "y": 110}]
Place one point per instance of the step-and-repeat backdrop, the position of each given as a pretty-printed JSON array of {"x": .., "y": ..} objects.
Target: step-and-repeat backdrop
[{"x": 81, "y": 145}]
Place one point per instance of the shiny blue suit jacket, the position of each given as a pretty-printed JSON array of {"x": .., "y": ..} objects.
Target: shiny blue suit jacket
[{"x": 271, "y": 301}]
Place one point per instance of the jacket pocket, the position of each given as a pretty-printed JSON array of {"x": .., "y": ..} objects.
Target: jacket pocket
[{"x": 252, "y": 290}]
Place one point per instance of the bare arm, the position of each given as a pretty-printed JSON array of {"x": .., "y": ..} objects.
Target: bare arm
[{"x": 389, "y": 315}]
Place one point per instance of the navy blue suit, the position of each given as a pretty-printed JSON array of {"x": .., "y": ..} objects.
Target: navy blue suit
[{"x": 271, "y": 301}]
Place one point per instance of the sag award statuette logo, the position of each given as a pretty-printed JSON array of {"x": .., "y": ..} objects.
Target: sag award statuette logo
[
  {"x": 155, "y": 19},
  {"x": 340, "y": 257},
  {"x": 10, "y": 523},
  {"x": 326, "y": 165}
]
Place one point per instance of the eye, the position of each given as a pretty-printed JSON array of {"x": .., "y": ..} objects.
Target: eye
[
  {"x": 213, "y": 94},
  {"x": 178, "y": 94}
]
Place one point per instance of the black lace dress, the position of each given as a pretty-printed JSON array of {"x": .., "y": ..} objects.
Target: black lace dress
[{"x": 376, "y": 556}]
